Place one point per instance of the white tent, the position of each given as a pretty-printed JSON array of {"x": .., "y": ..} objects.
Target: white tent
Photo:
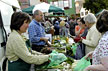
[{"x": 44, "y": 7}]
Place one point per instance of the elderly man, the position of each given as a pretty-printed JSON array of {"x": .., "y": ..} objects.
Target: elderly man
[
  {"x": 37, "y": 32},
  {"x": 93, "y": 35}
]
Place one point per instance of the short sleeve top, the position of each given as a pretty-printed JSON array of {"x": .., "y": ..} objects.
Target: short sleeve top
[{"x": 101, "y": 49}]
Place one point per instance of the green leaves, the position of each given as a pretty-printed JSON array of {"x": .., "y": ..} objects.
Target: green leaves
[{"x": 96, "y": 5}]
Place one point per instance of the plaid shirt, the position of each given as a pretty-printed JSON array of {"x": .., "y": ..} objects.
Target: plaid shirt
[{"x": 36, "y": 31}]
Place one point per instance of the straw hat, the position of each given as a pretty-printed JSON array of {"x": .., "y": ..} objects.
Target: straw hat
[{"x": 62, "y": 23}]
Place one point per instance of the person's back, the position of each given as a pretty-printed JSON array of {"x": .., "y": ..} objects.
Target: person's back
[
  {"x": 56, "y": 27},
  {"x": 62, "y": 28},
  {"x": 72, "y": 27}
]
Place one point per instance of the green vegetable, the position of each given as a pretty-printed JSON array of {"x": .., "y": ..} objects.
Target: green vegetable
[
  {"x": 56, "y": 67},
  {"x": 70, "y": 60}
]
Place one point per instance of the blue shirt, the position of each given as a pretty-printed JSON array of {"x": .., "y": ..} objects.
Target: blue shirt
[{"x": 36, "y": 31}]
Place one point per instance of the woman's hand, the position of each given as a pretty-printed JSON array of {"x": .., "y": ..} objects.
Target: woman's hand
[{"x": 89, "y": 55}]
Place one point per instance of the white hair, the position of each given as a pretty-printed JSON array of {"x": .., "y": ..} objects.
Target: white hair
[{"x": 90, "y": 18}]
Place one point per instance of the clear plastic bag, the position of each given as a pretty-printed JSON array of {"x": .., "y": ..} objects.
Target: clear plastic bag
[
  {"x": 82, "y": 64},
  {"x": 56, "y": 58}
]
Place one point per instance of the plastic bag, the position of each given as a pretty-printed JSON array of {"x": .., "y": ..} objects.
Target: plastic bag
[
  {"x": 82, "y": 64},
  {"x": 74, "y": 47},
  {"x": 56, "y": 58},
  {"x": 80, "y": 51}
]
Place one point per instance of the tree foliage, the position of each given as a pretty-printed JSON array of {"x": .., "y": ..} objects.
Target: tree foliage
[{"x": 96, "y": 5}]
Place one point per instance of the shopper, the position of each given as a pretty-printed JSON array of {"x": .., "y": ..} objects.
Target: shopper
[
  {"x": 100, "y": 54},
  {"x": 93, "y": 35}
]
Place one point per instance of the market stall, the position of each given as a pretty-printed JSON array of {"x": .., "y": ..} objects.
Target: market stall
[
  {"x": 59, "y": 60},
  {"x": 62, "y": 56}
]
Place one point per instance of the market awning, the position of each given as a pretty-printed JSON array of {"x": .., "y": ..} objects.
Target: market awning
[
  {"x": 55, "y": 9},
  {"x": 28, "y": 10},
  {"x": 44, "y": 7}
]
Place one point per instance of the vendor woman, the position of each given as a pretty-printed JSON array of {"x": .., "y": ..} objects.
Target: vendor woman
[{"x": 19, "y": 55}]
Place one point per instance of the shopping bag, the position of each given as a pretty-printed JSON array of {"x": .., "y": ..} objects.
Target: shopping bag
[
  {"x": 82, "y": 64},
  {"x": 74, "y": 47},
  {"x": 56, "y": 58},
  {"x": 80, "y": 51}
]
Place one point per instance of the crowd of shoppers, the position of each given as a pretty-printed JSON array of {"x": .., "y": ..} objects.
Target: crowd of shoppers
[{"x": 93, "y": 32}]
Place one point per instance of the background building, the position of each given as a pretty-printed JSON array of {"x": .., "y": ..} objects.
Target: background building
[
  {"x": 79, "y": 8},
  {"x": 34, "y": 2},
  {"x": 24, "y": 3},
  {"x": 78, "y": 5},
  {"x": 27, "y": 3}
]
